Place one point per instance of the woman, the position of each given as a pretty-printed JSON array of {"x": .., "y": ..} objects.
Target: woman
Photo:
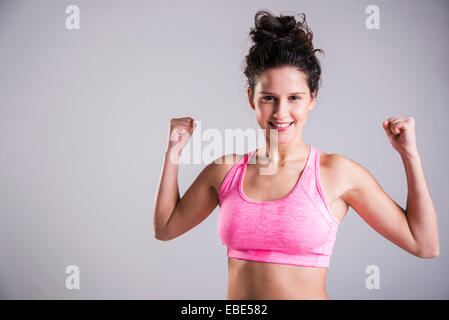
[{"x": 280, "y": 228}]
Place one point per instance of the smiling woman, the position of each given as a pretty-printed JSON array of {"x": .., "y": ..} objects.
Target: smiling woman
[{"x": 280, "y": 227}]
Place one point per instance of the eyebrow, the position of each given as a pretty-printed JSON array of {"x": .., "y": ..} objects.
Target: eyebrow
[{"x": 266, "y": 92}]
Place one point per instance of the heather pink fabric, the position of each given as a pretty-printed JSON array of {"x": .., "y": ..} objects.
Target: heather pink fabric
[{"x": 299, "y": 229}]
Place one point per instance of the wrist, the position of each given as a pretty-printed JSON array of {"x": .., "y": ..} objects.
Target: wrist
[
  {"x": 410, "y": 155},
  {"x": 173, "y": 152}
]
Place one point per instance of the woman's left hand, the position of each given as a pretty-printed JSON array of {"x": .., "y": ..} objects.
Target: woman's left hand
[{"x": 401, "y": 133}]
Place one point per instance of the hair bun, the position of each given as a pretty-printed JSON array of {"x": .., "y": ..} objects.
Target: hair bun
[{"x": 269, "y": 28}]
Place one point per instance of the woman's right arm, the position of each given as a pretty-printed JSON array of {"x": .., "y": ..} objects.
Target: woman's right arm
[{"x": 173, "y": 215}]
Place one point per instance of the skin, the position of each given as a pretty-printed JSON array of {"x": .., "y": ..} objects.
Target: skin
[{"x": 344, "y": 182}]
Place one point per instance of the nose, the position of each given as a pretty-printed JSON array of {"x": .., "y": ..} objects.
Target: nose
[{"x": 282, "y": 109}]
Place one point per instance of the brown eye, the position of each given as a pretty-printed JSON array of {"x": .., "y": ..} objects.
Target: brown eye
[{"x": 264, "y": 98}]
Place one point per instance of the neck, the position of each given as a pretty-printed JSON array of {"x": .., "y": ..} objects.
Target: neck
[{"x": 284, "y": 152}]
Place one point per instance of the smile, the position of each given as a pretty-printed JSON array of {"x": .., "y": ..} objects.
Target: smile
[{"x": 281, "y": 127}]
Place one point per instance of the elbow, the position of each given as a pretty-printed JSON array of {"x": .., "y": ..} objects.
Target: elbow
[
  {"x": 429, "y": 254},
  {"x": 160, "y": 238},
  {"x": 163, "y": 234},
  {"x": 158, "y": 235},
  {"x": 160, "y": 231}
]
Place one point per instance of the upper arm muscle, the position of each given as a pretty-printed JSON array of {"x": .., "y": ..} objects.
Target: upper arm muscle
[
  {"x": 376, "y": 207},
  {"x": 195, "y": 205}
]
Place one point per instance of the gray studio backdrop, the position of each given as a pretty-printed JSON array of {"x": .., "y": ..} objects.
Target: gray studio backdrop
[{"x": 84, "y": 121}]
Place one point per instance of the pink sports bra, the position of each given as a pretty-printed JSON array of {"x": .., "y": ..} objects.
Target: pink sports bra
[{"x": 299, "y": 229}]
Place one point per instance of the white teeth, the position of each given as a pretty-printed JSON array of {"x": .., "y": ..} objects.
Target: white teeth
[{"x": 279, "y": 125}]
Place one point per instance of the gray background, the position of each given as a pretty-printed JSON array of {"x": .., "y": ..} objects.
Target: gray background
[{"x": 84, "y": 122}]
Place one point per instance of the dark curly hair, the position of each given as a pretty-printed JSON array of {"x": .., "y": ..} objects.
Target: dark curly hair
[{"x": 281, "y": 41}]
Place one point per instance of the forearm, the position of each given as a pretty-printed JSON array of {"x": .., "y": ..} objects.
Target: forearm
[
  {"x": 167, "y": 194},
  {"x": 420, "y": 211}
]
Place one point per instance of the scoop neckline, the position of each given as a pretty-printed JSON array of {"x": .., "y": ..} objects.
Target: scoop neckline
[{"x": 298, "y": 182}]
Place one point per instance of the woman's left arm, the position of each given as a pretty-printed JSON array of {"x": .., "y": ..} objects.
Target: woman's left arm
[
  {"x": 414, "y": 229},
  {"x": 421, "y": 214}
]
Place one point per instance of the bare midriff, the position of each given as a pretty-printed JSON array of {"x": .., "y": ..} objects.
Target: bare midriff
[{"x": 254, "y": 280}]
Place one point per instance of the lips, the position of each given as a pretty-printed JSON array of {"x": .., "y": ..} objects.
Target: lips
[
  {"x": 281, "y": 129},
  {"x": 283, "y": 123}
]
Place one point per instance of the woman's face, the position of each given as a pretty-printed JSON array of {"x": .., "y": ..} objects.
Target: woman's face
[{"x": 282, "y": 95}]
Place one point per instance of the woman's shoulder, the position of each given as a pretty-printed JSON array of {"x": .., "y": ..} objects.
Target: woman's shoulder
[
  {"x": 339, "y": 170},
  {"x": 221, "y": 166},
  {"x": 337, "y": 162}
]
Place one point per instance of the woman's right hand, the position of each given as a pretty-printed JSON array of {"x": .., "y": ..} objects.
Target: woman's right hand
[{"x": 180, "y": 131}]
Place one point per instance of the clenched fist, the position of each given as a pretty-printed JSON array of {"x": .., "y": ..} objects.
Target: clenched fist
[
  {"x": 401, "y": 133},
  {"x": 180, "y": 131}
]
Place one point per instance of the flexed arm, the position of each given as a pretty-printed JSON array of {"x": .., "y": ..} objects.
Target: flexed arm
[
  {"x": 414, "y": 229},
  {"x": 174, "y": 215},
  {"x": 167, "y": 194},
  {"x": 421, "y": 214}
]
